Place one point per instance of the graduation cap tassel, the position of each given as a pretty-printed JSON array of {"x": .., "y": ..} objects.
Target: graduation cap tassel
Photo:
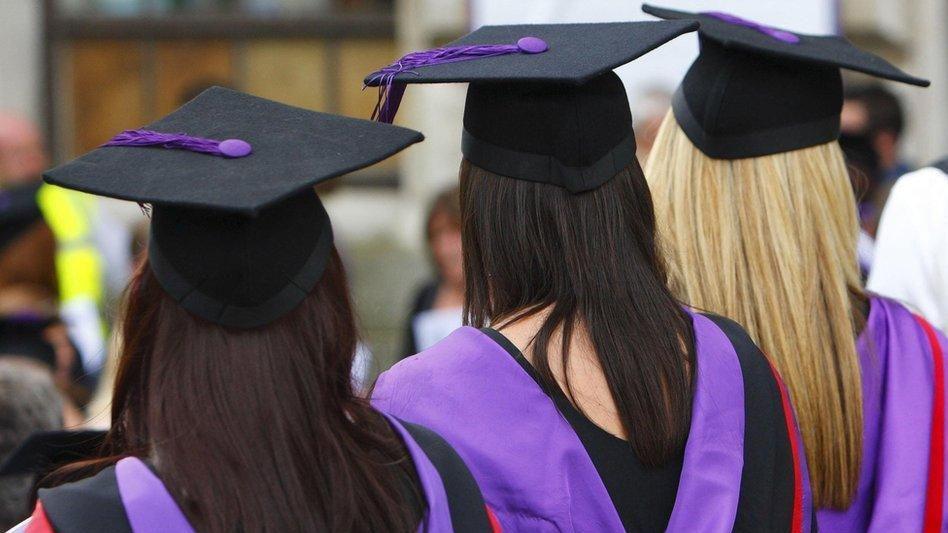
[
  {"x": 181, "y": 141},
  {"x": 780, "y": 35},
  {"x": 390, "y": 91}
]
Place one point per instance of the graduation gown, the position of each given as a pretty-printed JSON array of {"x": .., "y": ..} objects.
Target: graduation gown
[
  {"x": 130, "y": 498},
  {"x": 902, "y": 479},
  {"x": 541, "y": 468}
]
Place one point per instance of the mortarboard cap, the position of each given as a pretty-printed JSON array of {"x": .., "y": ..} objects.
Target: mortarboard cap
[
  {"x": 238, "y": 235},
  {"x": 756, "y": 90},
  {"x": 45, "y": 451},
  {"x": 543, "y": 104}
]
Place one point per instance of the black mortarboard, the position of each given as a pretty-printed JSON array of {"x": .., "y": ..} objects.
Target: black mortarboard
[
  {"x": 18, "y": 212},
  {"x": 755, "y": 90},
  {"x": 543, "y": 104},
  {"x": 45, "y": 451},
  {"x": 238, "y": 235}
]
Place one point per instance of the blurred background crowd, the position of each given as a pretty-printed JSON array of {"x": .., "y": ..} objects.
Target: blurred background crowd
[{"x": 75, "y": 72}]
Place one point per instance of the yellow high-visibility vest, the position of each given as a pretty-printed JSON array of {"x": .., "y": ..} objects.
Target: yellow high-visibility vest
[{"x": 79, "y": 266}]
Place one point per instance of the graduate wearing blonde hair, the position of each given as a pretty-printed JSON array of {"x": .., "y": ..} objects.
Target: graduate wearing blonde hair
[{"x": 757, "y": 215}]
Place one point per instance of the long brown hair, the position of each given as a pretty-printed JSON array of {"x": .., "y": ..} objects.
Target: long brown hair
[
  {"x": 771, "y": 242},
  {"x": 591, "y": 260},
  {"x": 258, "y": 429}
]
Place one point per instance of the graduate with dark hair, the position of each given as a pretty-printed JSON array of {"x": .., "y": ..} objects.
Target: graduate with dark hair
[
  {"x": 757, "y": 212},
  {"x": 233, "y": 407},
  {"x": 582, "y": 394}
]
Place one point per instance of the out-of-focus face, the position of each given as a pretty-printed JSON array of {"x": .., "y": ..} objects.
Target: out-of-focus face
[
  {"x": 854, "y": 118},
  {"x": 22, "y": 156},
  {"x": 444, "y": 240}
]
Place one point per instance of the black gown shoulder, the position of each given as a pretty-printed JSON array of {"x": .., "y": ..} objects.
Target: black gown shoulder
[
  {"x": 95, "y": 503},
  {"x": 767, "y": 483},
  {"x": 91, "y": 504}
]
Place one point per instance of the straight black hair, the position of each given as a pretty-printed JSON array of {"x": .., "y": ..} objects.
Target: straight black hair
[{"x": 591, "y": 260}]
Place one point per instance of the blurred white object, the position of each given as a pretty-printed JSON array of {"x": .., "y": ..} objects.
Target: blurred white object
[
  {"x": 433, "y": 325},
  {"x": 361, "y": 369},
  {"x": 81, "y": 316},
  {"x": 911, "y": 255},
  {"x": 865, "y": 250}
]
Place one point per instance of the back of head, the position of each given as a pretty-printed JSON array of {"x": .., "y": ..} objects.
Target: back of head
[
  {"x": 884, "y": 111},
  {"x": 257, "y": 429},
  {"x": 590, "y": 261},
  {"x": 22, "y": 155},
  {"x": 29, "y": 402},
  {"x": 770, "y": 241},
  {"x": 27, "y": 244},
  {"x": 238, "y": 337}
]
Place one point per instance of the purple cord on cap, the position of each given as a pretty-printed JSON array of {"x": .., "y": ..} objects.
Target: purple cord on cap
[
  {"x": 390, "y": 92},
  {"x": 780, "y": 35},
  {"x": 230, "y": 148}
]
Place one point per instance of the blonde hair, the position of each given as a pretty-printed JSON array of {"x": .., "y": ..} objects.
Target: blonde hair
[{"x": 771, "y": 242}]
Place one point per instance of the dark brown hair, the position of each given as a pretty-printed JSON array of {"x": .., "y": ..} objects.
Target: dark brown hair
[
  {"x": 30, "y": 261},
  {"x": 592, "y": 260},
  {"x": 258, "y": 429}
]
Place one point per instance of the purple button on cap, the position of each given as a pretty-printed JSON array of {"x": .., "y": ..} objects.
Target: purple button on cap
[
  {"x": 532, "y": 45},
  {"x": 235, "y": 148}
]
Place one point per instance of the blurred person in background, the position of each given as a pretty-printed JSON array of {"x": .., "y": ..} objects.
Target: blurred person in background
[
  {"x": 871, "y": 124},
  {"x": 29, "y": 289},
  {"x": 72, "y": 219},
  {"x": 862, "y": 165},
  {"x": 436, "y": 308},
  {"x": 29, "y": 402},
  {"x": 911, "y": 261},
  {"x": 877, "y": 112},
  {"x": 757, "y": 212}
]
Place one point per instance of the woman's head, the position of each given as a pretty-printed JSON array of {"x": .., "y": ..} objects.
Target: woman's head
[
  {"x": 771, "y": 242},
  {"x": 590, "y": 260},
  {"x": 258, "y": 428},
  {"x": 28, "y": 267},
  {"x": 443, "y": 235}
]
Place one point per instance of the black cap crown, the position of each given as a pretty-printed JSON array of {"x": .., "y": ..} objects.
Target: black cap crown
[
  {"x": 241, "y": 238},
  {"x": 756, "y": 90},
  {"x": 554, "y": 114}
]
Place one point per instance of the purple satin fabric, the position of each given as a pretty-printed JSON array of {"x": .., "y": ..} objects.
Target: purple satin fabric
[
  {"x": 148, "y": 505},
  {"x": 710, "y": 483},
  {"x": 151, "y": 509},
  {"x": 530, "y": 464},
  {"x": 438, "y": 518},
  {"x": 897, "y": 384}
]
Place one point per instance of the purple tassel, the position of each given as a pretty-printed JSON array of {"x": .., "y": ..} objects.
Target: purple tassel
[
  {"x": 230, "y": 148},
  {"x": 390, "y": 92},
  {"x": 780, "y": 35}
]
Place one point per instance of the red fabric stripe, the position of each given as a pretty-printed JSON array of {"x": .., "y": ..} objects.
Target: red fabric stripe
[
  {"x": 494, "y": 523},
  {"x": 796, "y": 521},
  {"x": 39, "y": 523},
  {"x": 934, "y": 492}
]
